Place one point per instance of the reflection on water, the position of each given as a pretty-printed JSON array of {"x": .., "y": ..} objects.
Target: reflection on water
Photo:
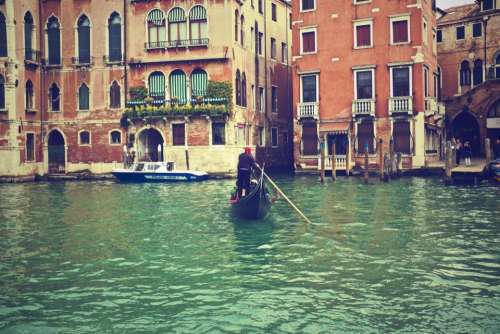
[{"x": 407, "y": 256}]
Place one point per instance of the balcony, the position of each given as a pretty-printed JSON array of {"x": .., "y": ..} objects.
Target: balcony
[
  {"x": 30, "y": 110},
  {"x": 82, "y": 62},
  {"x": 198, "y": 42},
  {"x": 430, "y": 106},
  {"x": 113, "y": 60},
  {"x": 32, "y": 57},
  {"x": 308, "y": 110},
  {"x": 340, "y": 162},
  {"x": 363, "y": 107},
  {"x": 401, "y": 105}
]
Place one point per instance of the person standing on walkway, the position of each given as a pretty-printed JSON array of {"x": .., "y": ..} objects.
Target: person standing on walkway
[
  {"x": 458, "y": 150},
  {"x": 467, "y": 152}
]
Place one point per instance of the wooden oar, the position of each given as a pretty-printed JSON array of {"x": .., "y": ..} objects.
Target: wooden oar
[{"x": 286, "y": 198}]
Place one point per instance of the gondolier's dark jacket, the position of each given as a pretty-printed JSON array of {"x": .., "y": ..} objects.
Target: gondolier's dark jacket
[{"x": 246, "y": 162}]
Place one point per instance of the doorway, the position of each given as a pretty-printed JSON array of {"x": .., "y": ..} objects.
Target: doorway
[{"x": 57, "y": 153}]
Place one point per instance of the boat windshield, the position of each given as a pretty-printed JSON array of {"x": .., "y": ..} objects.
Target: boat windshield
[
  {"x": 153, "y": 167},
  {"x": 139, "y": 167}
]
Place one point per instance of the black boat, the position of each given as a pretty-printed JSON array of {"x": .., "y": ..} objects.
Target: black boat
[{"x": 256, "y": 204}]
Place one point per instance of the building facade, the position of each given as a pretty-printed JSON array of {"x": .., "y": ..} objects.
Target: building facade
[
  {"x": 164, "y": 80},
  {"x": 469, "y": 62},
  {"x": 365, "y": 70}
]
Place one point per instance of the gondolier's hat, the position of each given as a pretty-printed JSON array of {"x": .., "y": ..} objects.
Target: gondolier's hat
[{"x": 248, "y": 150}]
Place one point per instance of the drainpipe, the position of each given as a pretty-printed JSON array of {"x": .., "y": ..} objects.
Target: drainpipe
[
  {"x": 485, "y": 20},
  {"x": 41, "y": 69}
]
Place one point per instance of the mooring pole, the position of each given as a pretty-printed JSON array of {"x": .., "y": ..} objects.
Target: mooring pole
[
  {"x": 348, "y": 159},
  {"x": 381, "y": 158},
  {"x": 449, "y": 162},
  {"x": 366, "y": 164},
  {"x": 391, "y": 155},
  {"x": 334, "y": 162},
  {"x": 487, "y": 148},
  {"x": 322, "y": 162}
]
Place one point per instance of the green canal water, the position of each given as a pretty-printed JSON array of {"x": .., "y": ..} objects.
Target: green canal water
[{"x": 410, "y": 256}]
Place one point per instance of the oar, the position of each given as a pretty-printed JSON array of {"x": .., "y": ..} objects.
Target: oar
[{"x": 286, "y": 198}]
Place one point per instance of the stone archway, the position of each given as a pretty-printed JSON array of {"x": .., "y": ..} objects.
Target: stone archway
[
  {"x": 150, "y": 145},
  {"x": 56, "y": 152},
  {"x": 466, "y": 128}
]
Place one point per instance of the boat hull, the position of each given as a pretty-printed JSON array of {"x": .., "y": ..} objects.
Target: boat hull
[
  {"x": 159, "y": 177},
  {"x": 254, "y": 206}
]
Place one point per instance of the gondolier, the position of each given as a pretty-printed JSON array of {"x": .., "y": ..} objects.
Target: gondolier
[{"x": 246, "y": 163}]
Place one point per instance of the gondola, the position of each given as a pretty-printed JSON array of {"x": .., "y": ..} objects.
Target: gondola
[{"x": 256, "y": 204}]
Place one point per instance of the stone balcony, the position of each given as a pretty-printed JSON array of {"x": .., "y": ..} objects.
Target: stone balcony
[
  {"x": 430, "y": 106},
  {"x": 363, "y": 107},
  {"x": 401, "y": 105},
  {"x": 308, "y": 110}
]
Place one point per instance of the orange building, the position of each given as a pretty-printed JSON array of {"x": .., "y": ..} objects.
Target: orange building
[
  {"x": 365, "y": 70},
  {"x": 191, "y": 82}
]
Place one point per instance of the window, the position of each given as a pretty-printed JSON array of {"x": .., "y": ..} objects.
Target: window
[
  {"x": 178, "y": 134},
  {"x": 254, "y": 98},
  {"x": 84, "y": 138},
  {"x": 115, "y": 37},
  {"x": 364, "y": 80},
  {"x": 244, "y": 90},
  {"x": 488, "y": 4},
  {"x": 262, "y": 100},
  {"x": 465, "y": 74},
  {"x": 400, "y": 30},
  {"x": 177, "y": 26},
  {"x": 115, "y": 137},
  {"x": 274, "y": 16},
  {"x": 425, "y": 31},
  {"x": 218, "y": 133},
  {"x": 28, "y": 36},
  {"x": 274, "y": 137},
  {"x": 178, "y": 87},
  {"x": 273, "y": 48},
  {"x": 308, "y": 41},
  {"x": 156, "y": 29},
  {"x": 156, "y": 83},
  {"x": 307, "y": 5},
  {"x": 239, "y": 134},
  {"x": 274, "y": 99},
  {"x": 199, "y": 82},
  {"x": 360, "y": 2},
  {"x": 426, "y": 82},
  {"x": 83, "y": 98},
  {"x": 242, "y": 30},
  {"x": 30, "y": 147},
  {"x": 497, "y": 66},
  {"x": 2, "y": 92},
  {"x": 365, "y": 138},
  {"x": 236, "y": 25},
  {"x": 29, "y": 92},
  {"x": 478, "y": 72},
  {"x": 477, "y": 29},
  {"x": 83, "y": 40},
  {"x": 309, "y": 139},
  {"x": 284, "y": 53},
  {"x": 309, "y": 91},
  {"x": 3, "y": 36},
  {"x": 402, "y": 137},
  {"x": 262, "y": 136},
  {"x": 460, "y": 32},
  {"x": 261, "y": 6},
  {"x": 115, "y": 96},
  {"x": 439, "y": 36},
  {"x": 400, "y": 81},
  {"x": 237, "y": 86},
  {"x": 54, "y": 97},
  {"x": 261, "y": 37},
  {"x": 362, "y": 34},
  {"x": 54, "y": 41},
  {"x": 198, "y": 26}
]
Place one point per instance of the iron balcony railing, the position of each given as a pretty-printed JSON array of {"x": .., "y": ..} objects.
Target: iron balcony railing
[
  {"x": 176, "y": 44},
  {"x": 79, "y": 61},
  {"x": 161, "y": 101},
  {"x": 363, "y": 107},
  {"x": 32, "y": 56},
  {"x": 116, "y": 59},
  {"x": 308, "y": 110},
  {"x": 401, "y": 104}
]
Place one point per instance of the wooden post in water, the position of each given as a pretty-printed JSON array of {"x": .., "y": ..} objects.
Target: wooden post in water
[
  {"x": 381, "y": 158},
  {"x": 387, "y": 167},
  {"x": 487, "y": 148},
  {"x": 366, "y": 165},
  {"x": 334, "y": 161},
  {"x": 399, "y": 163},
  {"x": 449, "y": 162},
  {"x": 322, "y": 162},
  {"x": 391, "y": 157},
  {"x": 348, "y": 159}
]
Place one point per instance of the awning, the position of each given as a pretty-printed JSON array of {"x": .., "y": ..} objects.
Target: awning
[{"x": 334, "y": 127}]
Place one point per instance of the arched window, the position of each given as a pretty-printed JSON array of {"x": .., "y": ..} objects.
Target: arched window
[
  {"x": 83, "y": 98},
  {"x": 83, "y": 40},
  {"x": 198, "y": 25},
  {"x": 497, "y": 66},
  {"x": 115, "y": 96},
  {"x": 199, "y": 81},
  {"x": 494, "y": 111},
  {"x": 54, "y": 98},
  {"x": 115, "y": 137},
  {"x": 242, "y": 30},
  {"x": 84, "y": 137},
  {"x": 465, "y": 73},
  {"x": 478, "y": 72},
  {"x": 29, "y": 95},
  {"x": 236, "y": 25},
  {"x": 156, "y": 29},
  {"x": 156, "y": 83},
  {"x": 115, "y": 37},
  {"x": 237, "y": 86},
  {"x": 54, "y": 41},
  {"x": 2, "y": 92},
  {"x": 28, "y": 36},
  {"x": 177, "y": 27},
  {"x": 244, "y": 90},
  {"x": 3, "y": 36},
  {"x": 178, "y": 86}
]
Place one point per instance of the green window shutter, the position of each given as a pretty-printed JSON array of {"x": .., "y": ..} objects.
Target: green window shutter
[
  {"x": 176, "y": 15},
  {"x": 198, "y": 13},
  {"x": 157, "y": 85},
  {"x": 3, "y": 36},
  {"x": 199, "y": 81},
  {"x": 156, "y": 17},
  {"x": 178, "y": 86}
]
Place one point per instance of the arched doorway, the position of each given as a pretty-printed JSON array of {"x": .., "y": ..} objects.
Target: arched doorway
[
  {"x": 466, "y": 128},
  {"x": 150, "y": 145},
  {"x": 493, "y": 123},
  {"x": 56, "y": 153}
]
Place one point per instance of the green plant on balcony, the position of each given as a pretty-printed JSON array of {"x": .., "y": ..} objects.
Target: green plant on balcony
[
  {"x": 138, "y": 93},
  {"x": 222, "y": 89}
]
